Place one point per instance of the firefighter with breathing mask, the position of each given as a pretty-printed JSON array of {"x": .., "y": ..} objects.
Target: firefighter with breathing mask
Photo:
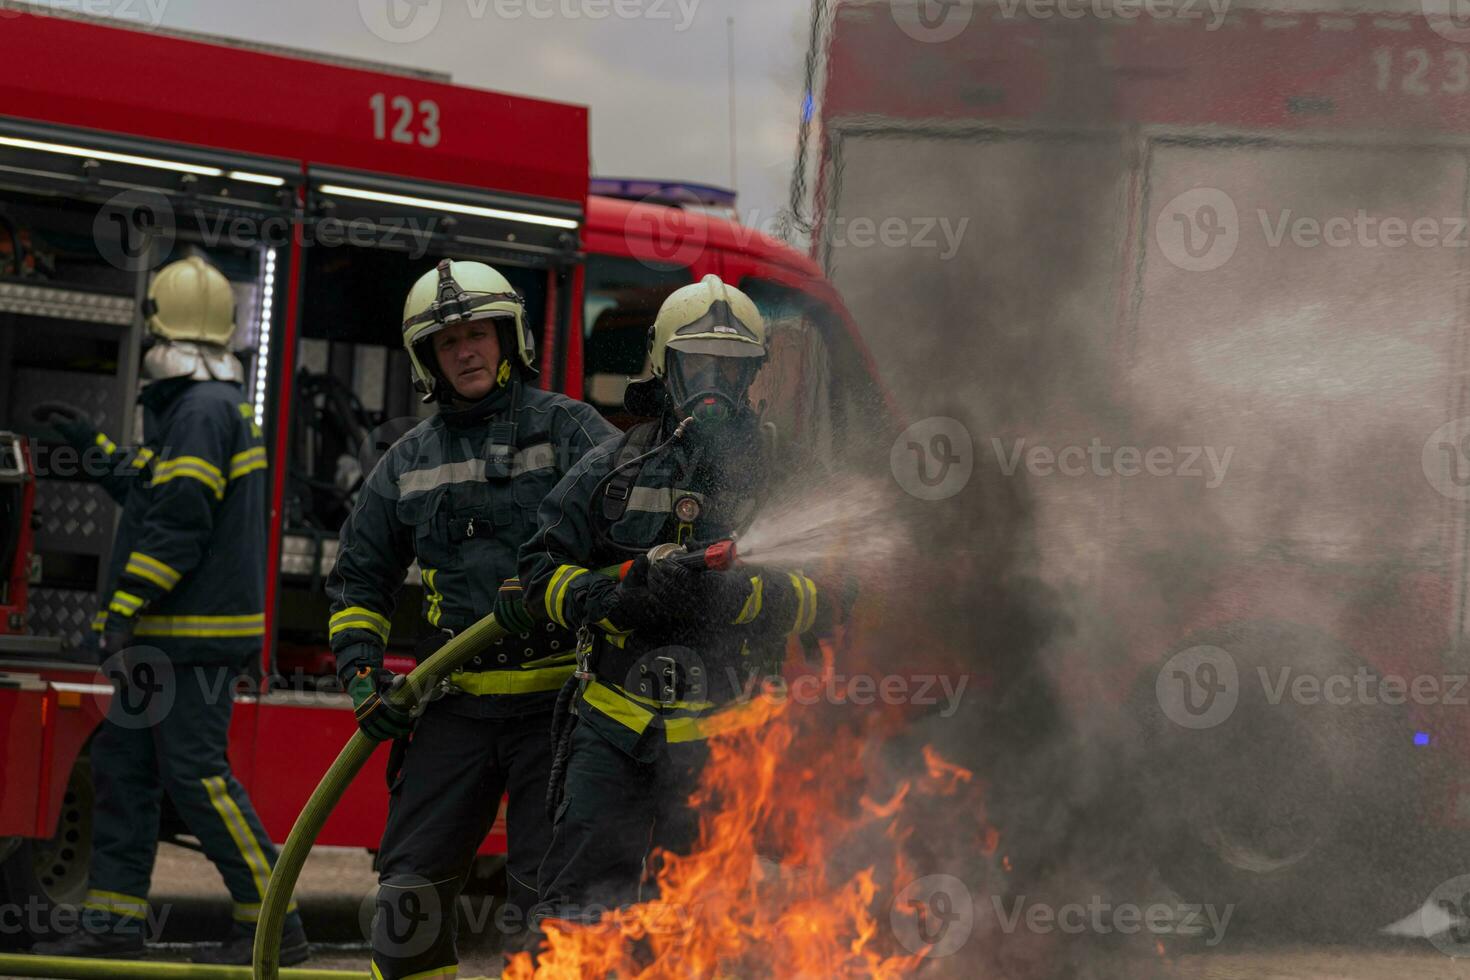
[{"x": 665, "y": 650}]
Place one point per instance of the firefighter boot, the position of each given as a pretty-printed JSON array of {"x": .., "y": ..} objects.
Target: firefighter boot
[
  {"x": 239, "y": 947},
  {"x": 124, "y": 944}
]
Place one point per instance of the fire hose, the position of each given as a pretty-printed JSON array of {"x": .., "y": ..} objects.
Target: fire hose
[
  {"x": 406, "y": 697},
  {"x": 422, "y": 680}
]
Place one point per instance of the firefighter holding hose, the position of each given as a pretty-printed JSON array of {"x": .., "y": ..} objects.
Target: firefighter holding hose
[
  {"x": 459, "y": 494},
  {"x": 665, "y": 649},
  {"x": 182, "y": 616}
]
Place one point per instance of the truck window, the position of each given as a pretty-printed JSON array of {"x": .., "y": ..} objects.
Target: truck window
[
  {"x": 622, "y": 296},
  {"x": 794, "y": 389}
]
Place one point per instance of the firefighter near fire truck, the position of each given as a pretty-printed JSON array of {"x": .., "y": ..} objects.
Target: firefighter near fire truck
[
  {"x": 458, "y": 494},
  {"x": 668, "y": 637},
  {"x": 182, "y": 616}
]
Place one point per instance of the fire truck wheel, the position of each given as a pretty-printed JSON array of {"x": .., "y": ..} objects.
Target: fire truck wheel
[
  {"x": 1302, "y": 803},
  {"x": 38, "y": 875}
]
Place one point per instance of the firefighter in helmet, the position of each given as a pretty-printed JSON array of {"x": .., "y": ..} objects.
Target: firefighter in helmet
[
  {"x": 458, "y": 493},
  {"x": 665, "y": 652},
  {"x": 182, "y": 616}
]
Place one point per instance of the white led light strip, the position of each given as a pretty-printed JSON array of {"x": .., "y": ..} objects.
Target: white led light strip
[
  {"x": 424, "y": 202},
  {"x": 137, "y": 161},
  {"x": 84, "y": 151},
  {"x": 263, "y": 349}
]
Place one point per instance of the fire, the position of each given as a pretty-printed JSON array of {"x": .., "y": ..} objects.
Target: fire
[{"x": 800, "y": 856}]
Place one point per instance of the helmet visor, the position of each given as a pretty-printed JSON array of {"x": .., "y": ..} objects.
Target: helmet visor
[{"x": 710, "y": 382}]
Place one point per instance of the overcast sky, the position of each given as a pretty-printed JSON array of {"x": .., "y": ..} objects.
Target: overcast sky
[{"x": 654, "y": 78}]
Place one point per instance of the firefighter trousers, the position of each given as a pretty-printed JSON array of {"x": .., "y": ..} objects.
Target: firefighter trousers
[
  {"x": 442, "y": 803},
  {"x": 615, "y": 811},
  {"x": 167, "y": 731}
]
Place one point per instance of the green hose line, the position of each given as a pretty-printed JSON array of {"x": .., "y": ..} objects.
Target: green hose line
[
  {"x": 26, "y": 965},
  {"x": 355, "y": 754}
]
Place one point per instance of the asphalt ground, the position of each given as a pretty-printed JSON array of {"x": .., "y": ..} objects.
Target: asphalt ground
[{"x": 337, "y": 886}]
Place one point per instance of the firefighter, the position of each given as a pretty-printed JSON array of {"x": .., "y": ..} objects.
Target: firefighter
[
  {"x": 459, "y": 493},
  {"x": 666, "y": 654},
  {"x": 183, "y": 616}
]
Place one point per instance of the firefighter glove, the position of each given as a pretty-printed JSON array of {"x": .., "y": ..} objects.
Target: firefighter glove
[
  {"x": 68, "y": 421},
  {"x": 376, "y": 716},
  {"x": 627, "y": 606},
  {"x": 510, "y": 607},
  {"x": 729, "y": 597},
  {"x": 678, "y": 592},
  {"x": 117, "y": 634}
]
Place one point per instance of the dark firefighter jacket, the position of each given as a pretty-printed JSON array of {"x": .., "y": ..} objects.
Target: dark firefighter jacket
[
  {"x": 188, "y": 562},
  {"x": 563, "y": 570},
  {"x": 458, "y": 493}
]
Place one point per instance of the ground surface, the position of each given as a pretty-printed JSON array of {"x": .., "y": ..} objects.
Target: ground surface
[{"x": 337, "y": 884}]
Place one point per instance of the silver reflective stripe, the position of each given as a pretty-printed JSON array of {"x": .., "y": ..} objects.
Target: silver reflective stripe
[
  {"x": 541, "y": 456},
  {"x": 420, "y": 481},
  {"x": 652, "y": 500}
]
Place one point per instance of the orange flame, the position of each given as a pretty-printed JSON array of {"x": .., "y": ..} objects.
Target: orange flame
[{"x": 781, "y": 809}]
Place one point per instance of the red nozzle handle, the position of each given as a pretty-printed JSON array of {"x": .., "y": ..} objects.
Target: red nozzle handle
[{"x": 720, "y": 556}]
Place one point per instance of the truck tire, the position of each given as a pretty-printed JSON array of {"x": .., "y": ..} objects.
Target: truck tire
[
  {"x": 1305, "y": 816},
  {"x": 37, "y": 875}
]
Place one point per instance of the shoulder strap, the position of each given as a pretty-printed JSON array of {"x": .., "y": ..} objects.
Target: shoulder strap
[{"x": 619, "y": 487}]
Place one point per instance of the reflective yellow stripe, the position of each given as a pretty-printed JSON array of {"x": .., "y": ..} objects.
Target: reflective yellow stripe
[
  {"x": 150, "y": 568},
  {"x": 125, "y": 603},
  {"x": 247, "y": 462},
  {"x": 811, "y": 603},
  {"x": 202, "y": 626},
  {"x": 432, "y": 596},
  {"x": 239, "y": 828},
  {"x": 752, "y": 607},
  {"x": 806, "y": 602},
  {"x": 727, "y": 720},
  {"x": 616, "y": 707},
  {"x": 193, "y": 467},
  {"x": 607, "y": 626},
  {"x": 98, "y": 620},
  {"x": 142, "y": 458},
  {"x": 116, "y": 903},
  {"x": 512, "y": 681},
  {"x": 162, "y": 475},
  {"x": 438, "y": 973},
  {"x": 556, "y": 592},
  {"x": 108, "y": 446},
  {"x": 359, "y": 618}
]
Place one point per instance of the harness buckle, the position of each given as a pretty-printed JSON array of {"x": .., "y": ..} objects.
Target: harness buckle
[{"x": 667, "y": 671}]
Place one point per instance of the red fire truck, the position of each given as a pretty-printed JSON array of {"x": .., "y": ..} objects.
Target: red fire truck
[
  {"x": 1186, "y": 228},
  {"x": 322, "y": 190}
]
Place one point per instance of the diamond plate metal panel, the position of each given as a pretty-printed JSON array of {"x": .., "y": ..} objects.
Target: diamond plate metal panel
[
  {"x": 75, "y": 517},
  {"x": 66, "y": 613},
  {"x": 96, "y": 394}
]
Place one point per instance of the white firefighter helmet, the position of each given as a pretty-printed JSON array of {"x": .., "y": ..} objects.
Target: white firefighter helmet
[
  {"x": 706, "y": 345},
  {"x": 190, "y": 313},
  {"x": 455, "y": 292},
  {"x": 706, "y": 317}
]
